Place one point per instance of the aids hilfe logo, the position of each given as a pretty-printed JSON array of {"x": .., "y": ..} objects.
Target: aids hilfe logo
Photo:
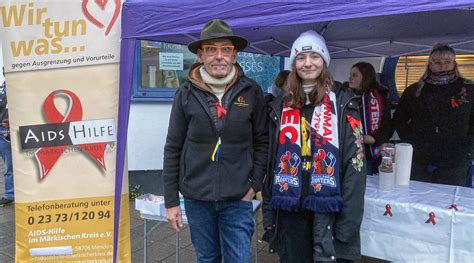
[
  {"x": 51, "y": 140},
  {"x": 93, "y": 16}
]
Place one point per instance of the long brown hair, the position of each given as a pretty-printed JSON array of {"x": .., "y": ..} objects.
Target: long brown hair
[
  {"x": 369, "y": 79},
  {"x": 294, "y": 93}
]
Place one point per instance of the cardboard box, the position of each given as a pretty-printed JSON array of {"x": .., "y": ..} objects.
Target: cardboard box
[{"x": 151, "y": 205}]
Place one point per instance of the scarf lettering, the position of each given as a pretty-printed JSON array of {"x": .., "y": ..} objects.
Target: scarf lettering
[
  {"x": 289, "y": 118},
  {"x": 320, "y": 164},
  {"x": 323, "y": 180},
  {"x": 374, "y": 114},
  {"x": 373, "y": 108},
  {"x": 327, "y": 136}
]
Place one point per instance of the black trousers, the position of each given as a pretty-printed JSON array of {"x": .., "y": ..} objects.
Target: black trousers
[{"x": 295, "y": 237}]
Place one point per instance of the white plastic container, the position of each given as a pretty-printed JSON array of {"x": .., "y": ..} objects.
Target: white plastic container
[{"x": 403, "y": 155}]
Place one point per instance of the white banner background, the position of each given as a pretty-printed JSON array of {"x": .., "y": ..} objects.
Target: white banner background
[{"x": 53, "y": 34}]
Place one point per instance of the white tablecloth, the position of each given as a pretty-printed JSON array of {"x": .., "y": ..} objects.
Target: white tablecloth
[{"x": 405, "y": 236}]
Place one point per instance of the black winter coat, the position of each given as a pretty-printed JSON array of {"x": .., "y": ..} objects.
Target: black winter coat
[
  {"x": 344, "y": 226},
  {"x": 193, "y": 133},
  {"x": 385, "y": 131},
  {"x": 438, "y": 120}
]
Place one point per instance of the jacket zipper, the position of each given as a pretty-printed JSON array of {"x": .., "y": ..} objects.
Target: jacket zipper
[
  {"x": 218, "y": 147},
  {"x": 275, "y": 139},
  {"x": 343, "y": 106},
  {"x": 219, "y": 128}
]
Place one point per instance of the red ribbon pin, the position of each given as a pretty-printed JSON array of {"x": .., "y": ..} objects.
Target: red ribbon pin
[
  {"x": 453, "y": 206},
  {"x": 47, "y": 157},
  {"x": 454, "y": 103},
  {"x": 388, "y": 210},
  {"x": 220, "y": 110},
  {"x": 431, "y": 218}
]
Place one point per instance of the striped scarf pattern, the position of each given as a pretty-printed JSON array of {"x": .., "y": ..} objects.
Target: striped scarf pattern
[{"x": 321, "y": 148}]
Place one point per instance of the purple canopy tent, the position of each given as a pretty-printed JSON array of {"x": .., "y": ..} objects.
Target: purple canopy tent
[{"x": 351, "y": 29}]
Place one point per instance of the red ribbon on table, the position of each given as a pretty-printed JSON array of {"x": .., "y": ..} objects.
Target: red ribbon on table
[
  {"x": 388, "y": 210},
  {"x": 454, "y": 206},
  {"x": 431, "y": 218},
  {"x": 47, "y": 157},
  {"x": 220, "y": 110}
]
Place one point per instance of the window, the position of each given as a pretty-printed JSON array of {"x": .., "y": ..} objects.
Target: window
[
  {"x": 161, "y": 67},
  {"x": 409, "y": 69}
]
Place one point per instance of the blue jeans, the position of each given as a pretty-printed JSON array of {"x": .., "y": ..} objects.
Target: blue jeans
[
  {"x": 221, "y": 229},
  {"x": 6, "y": 152}
]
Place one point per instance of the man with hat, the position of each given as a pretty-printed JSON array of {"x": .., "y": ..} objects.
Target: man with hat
[{"x": 216, "y": 149}]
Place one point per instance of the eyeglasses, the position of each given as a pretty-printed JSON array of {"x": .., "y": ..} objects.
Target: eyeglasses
[{"x": 212, "y": 50}]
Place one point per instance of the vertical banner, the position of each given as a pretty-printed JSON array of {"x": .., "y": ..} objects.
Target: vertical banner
[{"x": 61, "y": 63}]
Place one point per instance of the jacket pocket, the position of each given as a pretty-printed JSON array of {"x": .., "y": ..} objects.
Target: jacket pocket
[
  {"x": 198, "y": 181},
  {"x": 235, "y": 169},
  {"x": 323, "y": 235}
]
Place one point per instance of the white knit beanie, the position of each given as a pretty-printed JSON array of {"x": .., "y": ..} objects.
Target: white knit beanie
[{"x": 310, "y": 41}]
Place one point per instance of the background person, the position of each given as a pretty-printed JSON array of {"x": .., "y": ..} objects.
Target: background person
[
  {"x": 216, "y": 149},
  {"x": 375, "y": 110},
  {"x": 277, "y": 88},
  {"x": 5, "y": 147},
  {"x": 436, "y": 115},
  {"x": 315, "y": 183}
]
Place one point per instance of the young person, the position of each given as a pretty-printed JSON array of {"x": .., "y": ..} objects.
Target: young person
[
  {"x": 375, "y": 109},
  {"x": 315, "y": 183},
  {"x": 5, "y": 147}
]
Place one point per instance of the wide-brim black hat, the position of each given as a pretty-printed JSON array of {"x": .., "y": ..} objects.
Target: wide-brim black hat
[{"x": 218, "y": 29}]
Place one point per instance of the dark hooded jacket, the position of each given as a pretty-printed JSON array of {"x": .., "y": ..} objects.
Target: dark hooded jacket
[
  {"x": 4, "y": 132},
  {"x": 385, "y": 131},
  {"x": 194, "y": 131},
  {"x": 344, "y": 226}
]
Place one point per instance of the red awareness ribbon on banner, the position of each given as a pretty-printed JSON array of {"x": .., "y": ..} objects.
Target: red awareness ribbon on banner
[
  {"x": 431, "y": 218},
  {"x": 453, "y": 206},
  {"x": 47, "y": 157},
  {"x": 220, "y": 110},
  {"x": 388, "y": 210}
]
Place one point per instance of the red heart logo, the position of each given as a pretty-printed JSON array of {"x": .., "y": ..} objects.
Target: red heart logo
[{"x": 102, "y": 4}]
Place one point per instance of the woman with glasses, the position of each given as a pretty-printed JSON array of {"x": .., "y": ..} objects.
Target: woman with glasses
[{"x": 436, "y": 115}]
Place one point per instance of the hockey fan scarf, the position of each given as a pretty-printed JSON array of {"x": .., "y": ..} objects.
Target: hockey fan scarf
[{"x": 319, "y": 146}]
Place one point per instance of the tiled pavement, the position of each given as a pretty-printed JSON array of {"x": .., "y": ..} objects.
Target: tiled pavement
[{"x": 161, "y": 240}]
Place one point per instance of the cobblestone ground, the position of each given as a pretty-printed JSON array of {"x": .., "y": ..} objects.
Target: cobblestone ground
[{"x": 161, "y": 245}]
